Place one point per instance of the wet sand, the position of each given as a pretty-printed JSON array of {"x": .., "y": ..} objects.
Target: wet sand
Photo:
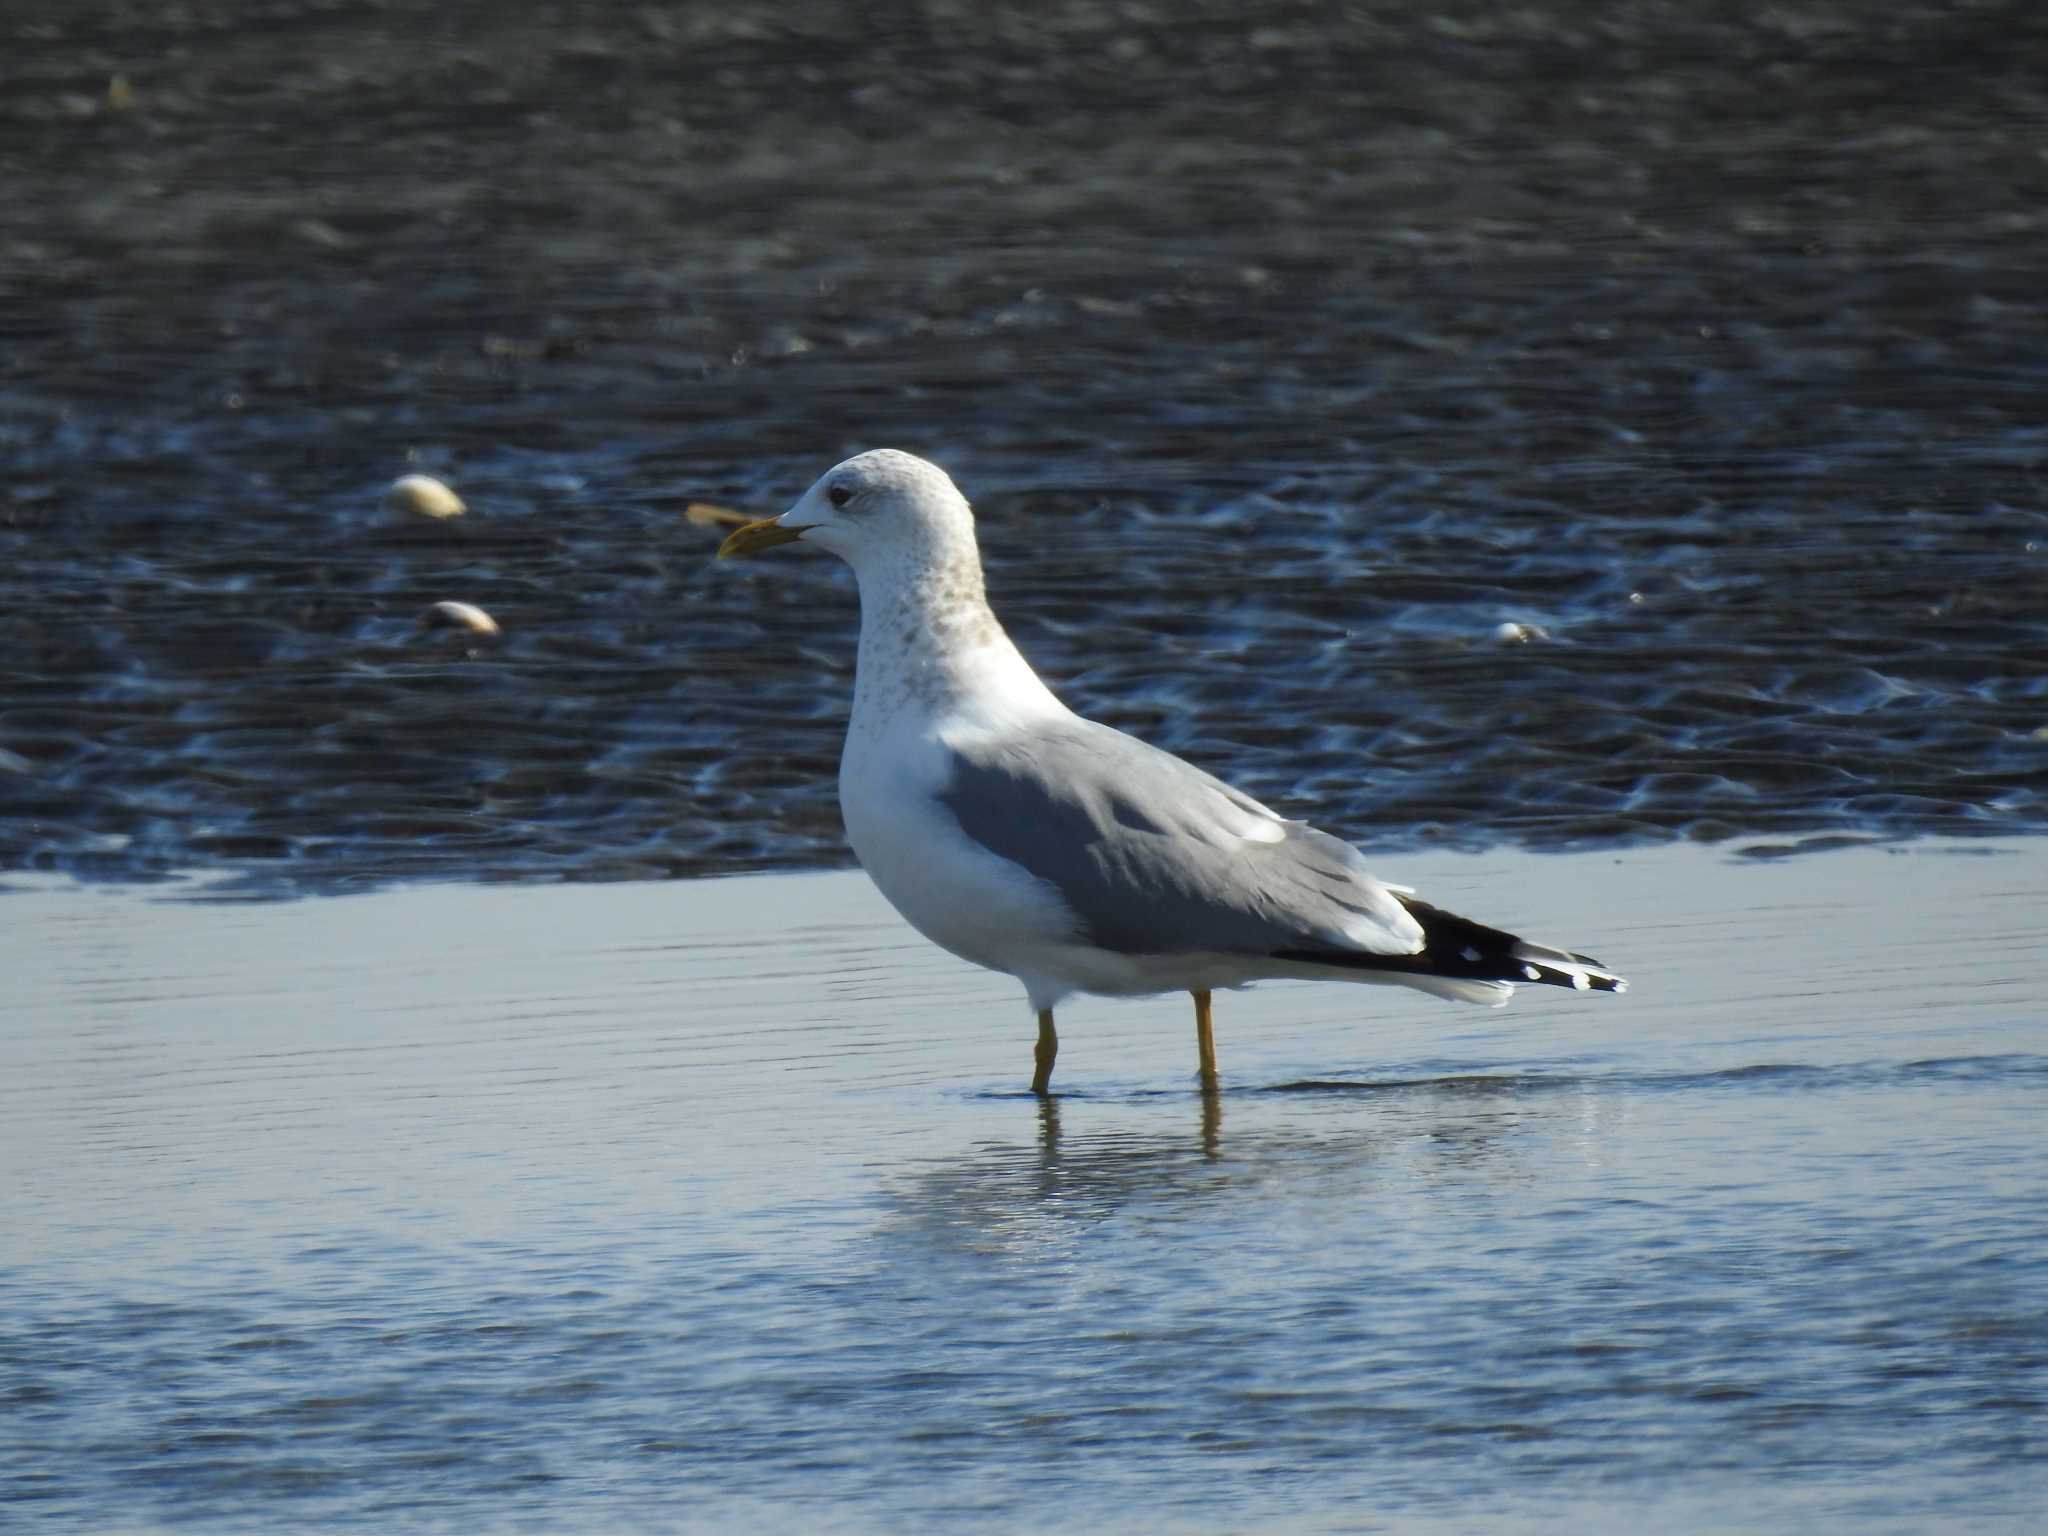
[{"x": 678, "y": 1205}]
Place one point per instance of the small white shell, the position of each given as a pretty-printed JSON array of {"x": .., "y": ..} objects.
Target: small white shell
[
  {"x": 423, "y": 496},
  {"x": 705, "y": 515},
  {"x": 450, "y": 615}
]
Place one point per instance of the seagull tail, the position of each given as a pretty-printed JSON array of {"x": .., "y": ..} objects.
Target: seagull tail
[{"x": 1471, "y": 962}]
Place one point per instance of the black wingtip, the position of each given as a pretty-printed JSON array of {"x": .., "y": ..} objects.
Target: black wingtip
[{"x": 1459, "y": 949}]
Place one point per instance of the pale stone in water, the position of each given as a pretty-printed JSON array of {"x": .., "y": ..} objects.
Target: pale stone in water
[
  {"x": 705, "y": 515},
  {"x": 423, "y": 496},
  {"x": 452, "y": 615}
]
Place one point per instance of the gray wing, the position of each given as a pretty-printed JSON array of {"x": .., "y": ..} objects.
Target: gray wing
[{"x": 1152, "y": 855}]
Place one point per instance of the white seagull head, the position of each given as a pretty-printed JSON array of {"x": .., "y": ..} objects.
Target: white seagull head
[{"x": 877, "y": 510}]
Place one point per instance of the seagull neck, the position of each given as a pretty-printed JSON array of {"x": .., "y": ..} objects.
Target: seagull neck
[{"x": 929, "y": 641}]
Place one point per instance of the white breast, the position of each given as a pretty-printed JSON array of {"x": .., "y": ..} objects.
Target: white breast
[{"x": 949, "y": 888}]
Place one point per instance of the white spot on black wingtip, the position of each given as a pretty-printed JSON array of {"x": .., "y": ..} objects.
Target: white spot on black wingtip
[
  {"x": 1532, "y": 973},
  {"x": 1581, "y": 982}
]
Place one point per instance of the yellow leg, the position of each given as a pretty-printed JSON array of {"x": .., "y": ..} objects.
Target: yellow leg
[
  {"x": 1205, "y": 1040},
  {"x": 1047, "y": 1053}
]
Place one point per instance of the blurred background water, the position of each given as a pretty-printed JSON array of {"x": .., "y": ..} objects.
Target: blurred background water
[{"x": 1287, "y": 353}]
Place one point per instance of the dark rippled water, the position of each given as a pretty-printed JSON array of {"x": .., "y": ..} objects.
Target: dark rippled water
[{"x": 1286, "y": 354}]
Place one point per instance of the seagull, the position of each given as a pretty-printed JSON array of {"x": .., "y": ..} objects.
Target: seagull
[{"x": 1018, "y": 835}]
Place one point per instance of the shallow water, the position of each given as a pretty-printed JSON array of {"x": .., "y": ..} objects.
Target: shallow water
[
  {"x": 1285, "y": 361},
  {"x": 686, "y": 1204}
]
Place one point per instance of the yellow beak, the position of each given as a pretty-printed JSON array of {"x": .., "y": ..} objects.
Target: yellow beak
[{"x": 754, "y": 537}]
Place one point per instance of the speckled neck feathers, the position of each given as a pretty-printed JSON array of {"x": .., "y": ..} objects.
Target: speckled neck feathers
[
  {"x": 928, "y": 639},
  {"x": 929, "y": 647}
]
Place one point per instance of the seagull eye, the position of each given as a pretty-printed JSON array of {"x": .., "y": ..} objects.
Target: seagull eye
[{"x": 839, "y": 495}]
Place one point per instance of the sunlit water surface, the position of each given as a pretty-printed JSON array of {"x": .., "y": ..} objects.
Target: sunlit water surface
[{"x": 689, "y": 1204}]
